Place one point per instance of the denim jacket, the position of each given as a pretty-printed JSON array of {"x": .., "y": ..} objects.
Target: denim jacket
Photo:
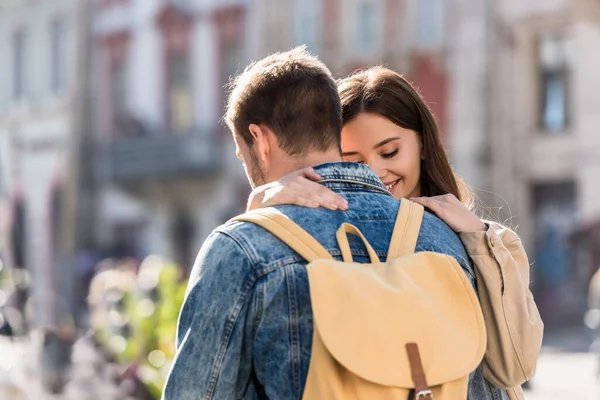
[{"x": 245, "y": 328}]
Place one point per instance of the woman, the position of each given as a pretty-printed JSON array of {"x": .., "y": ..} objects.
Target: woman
[{"x": 388, "y": 126}]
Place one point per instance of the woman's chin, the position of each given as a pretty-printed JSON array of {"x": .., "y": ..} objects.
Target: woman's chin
[{"x": 398, "y": 192}]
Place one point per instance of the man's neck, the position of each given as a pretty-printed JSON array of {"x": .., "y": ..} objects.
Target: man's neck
[
  {"x": 292, "y": 164},
  {"x": 319, "y": 158}
]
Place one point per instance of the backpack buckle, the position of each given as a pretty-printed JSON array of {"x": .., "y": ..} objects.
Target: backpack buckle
[{"x": 424, "y": 395}]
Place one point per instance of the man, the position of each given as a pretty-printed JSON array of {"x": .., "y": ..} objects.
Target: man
[{"x": 245, "y": 329}]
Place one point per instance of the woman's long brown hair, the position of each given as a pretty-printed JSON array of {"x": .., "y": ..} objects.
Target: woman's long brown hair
[{"x": 382, "y": 91}]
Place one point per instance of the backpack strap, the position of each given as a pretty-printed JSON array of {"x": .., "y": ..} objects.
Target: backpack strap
[
  {"x": 342, "y": 239},
  {"x": 422, "y": 391},
  {"x": 406, "y": 229},
  {"x": 287, "y": 231}
]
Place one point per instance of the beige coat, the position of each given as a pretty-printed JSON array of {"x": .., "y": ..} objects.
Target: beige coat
[{"x": 513, "y": 323}]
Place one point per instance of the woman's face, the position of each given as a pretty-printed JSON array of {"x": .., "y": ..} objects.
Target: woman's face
[{"x": 392, "y": 152}]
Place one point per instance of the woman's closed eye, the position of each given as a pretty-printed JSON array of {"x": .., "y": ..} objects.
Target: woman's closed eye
[{"x": 390, "y": 154}]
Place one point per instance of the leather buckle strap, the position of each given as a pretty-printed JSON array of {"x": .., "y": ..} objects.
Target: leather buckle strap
[
  {"x": 422, "y": 391},
  {"x": 424, "y": 395}
]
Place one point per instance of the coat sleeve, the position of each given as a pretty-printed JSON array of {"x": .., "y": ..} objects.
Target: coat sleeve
[{"x": 512, "y": 319}]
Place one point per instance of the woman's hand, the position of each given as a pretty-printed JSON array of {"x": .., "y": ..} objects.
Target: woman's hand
[
  {"x": 454, "y": 213},
  {"x": 298, "y": 188}
]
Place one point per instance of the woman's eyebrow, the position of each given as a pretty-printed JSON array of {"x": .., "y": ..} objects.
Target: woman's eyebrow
[{"x": 386, "y": 141}]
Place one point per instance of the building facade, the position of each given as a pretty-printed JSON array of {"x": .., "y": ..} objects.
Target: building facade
[
  {"x": 406, "y": 35},
  {"x": 170, "y": 172},
  {"x": 545, "y": 149},
  {"x": 37, "y": 43},
  {"x": 512, "y": 85}
]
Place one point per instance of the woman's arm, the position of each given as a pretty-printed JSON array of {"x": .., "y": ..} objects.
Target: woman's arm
[
  {"x": 513, "y": 322},
  {"x": 300, "y": 188}
]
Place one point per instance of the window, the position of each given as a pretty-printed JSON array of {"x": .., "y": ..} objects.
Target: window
[
  {"x": 126, "y": 239},
  {"x": 109, "y": 3},
  {"x": 116, "y": 50},
  {"x": 18, "y": 50},
  {"x": 554, "y": 208},
  {"x": 19, "y": 253},
  {"x": 180, "y": 96},
  {"x": 182, "y": 236},
  {"x": 118, "y": 88},
  {"x": 366, "y": 25},
  {"x": 430, "y": 22},
  {"x": 307, "y": 24},
  {"x": 56, "y": 213},
  {"x": 19, "y": 237},
  {"x": 553, "y": 71},
  {"x": 59, "y": 62},
  {"x": 231, "y": 59}
]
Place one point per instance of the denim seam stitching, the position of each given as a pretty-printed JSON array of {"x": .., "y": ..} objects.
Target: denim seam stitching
[
  {"x": 294, "y": 342},
  {"x": 229, "y": 326},
  {"x": 244, "y": 244},
  {"x": 358, "y": 182}
]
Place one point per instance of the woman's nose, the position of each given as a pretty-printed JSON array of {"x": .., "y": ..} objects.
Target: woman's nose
[{"x": 377, "y": 169}]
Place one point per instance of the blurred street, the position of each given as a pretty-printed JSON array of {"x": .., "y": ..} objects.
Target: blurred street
[
  {"x": 565, "y": 376},
  {"x": 565, "y": 371},
  {"x": 21, "y": 379}
]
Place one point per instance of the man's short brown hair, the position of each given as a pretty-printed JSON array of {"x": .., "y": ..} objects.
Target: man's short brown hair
[{"x": 295, "y": 95}]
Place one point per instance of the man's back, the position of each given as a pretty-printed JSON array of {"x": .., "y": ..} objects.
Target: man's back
[{"x": 246, "y": 326}]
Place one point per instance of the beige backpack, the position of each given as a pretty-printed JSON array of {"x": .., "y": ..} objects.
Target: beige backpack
[{"x": 407, "y": 328}]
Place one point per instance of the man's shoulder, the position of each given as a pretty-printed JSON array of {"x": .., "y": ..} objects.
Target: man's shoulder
[
  {"x": 238, "y": 234},
  {"x": 265, "y": 249},
  {"x": 259, "y": 245},
  {"x": 437, "y": 236},
  {"x": 241, "y": 231},
  {"x": 299, "y": 215},
  {"x": 433, "y": 223}
]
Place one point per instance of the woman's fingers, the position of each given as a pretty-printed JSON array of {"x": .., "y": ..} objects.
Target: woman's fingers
[
  {"x": 329, "y": 196},
  {"x": 307, "y": 194},
  {"x": 304, "y": 202},
  {"x": 299, "y": 188},
  {"x": 309, "y": 173},
  {"x": 449, "y": 209},
  {"x": 430, "y": 203},
  {"x": 325, "y": 197}
]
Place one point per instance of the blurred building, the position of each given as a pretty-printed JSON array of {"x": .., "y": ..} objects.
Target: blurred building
[
  {"x": 544, "y": 147},
  {"x": 408, "y": 36},
  {"x": 37, "y": 42},
  {"x": 512, "y": 84},
  {"x": 170, "y": 174}
]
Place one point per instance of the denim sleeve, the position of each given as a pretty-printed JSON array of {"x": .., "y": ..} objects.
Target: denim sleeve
[
  {"x": 465, "y": 262},
  {"x": 436, "y": 236},
  {"x": 213, "y": 359}
]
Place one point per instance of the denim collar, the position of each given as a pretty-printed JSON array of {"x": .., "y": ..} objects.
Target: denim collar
[{"x": 350, "y": 174}]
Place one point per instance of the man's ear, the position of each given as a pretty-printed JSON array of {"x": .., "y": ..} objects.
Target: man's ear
[{"x": 262, "y": 140}]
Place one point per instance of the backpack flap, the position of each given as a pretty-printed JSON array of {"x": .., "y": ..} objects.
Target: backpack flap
[{"x": 365, "y": 314}]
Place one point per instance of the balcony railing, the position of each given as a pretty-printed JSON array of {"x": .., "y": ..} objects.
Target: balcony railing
[{"x": 165, "y": 156}]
